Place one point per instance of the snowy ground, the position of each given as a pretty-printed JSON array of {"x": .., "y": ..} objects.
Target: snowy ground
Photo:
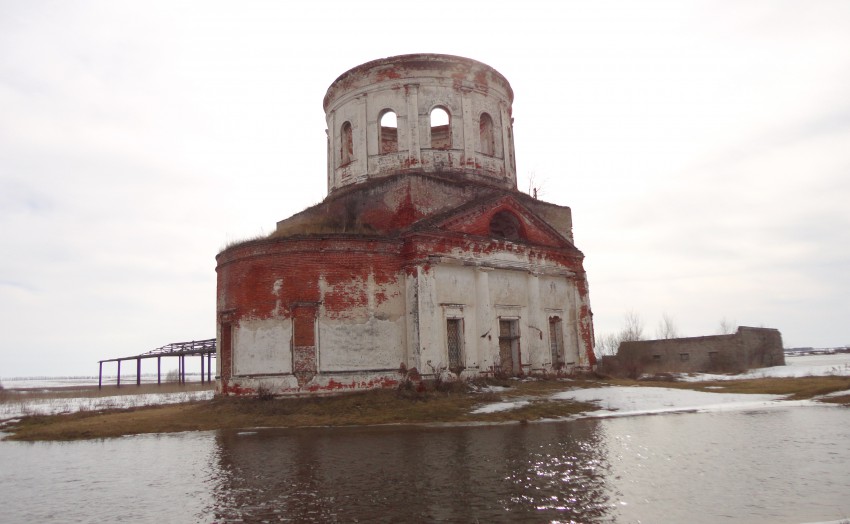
[
  {"x": 796, "y": 366},
  {"x": 50, "y": 406},
  {"x": 625, "y": 401}
]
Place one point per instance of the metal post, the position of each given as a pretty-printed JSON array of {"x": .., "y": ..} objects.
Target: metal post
[
  {"x": 138, "y": 371},
  {"x": 119, "y": 373},
  {"x": 183, "y": 367},
  {"x": 100, "y": 375},
  {"x": 209, "y": 367},
  {"x": 202, "y": 368},
  {"x": 158, "y": 371}
]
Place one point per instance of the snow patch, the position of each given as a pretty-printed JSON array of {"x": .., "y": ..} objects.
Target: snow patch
[
  {"x": 624, "y": 401},
  {"x": 837, "y": 364},
  {"x": 56, "y": 406},
  {"x": 500, "y": 406}
]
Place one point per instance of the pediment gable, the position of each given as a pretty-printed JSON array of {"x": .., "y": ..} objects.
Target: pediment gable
[{"x": 501, "y": 218}]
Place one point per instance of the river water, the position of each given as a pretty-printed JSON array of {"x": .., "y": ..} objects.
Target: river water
[{"x": 785, "y": 464}]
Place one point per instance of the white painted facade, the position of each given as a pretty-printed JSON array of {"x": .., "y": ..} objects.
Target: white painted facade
[{"x": 437, "y": 265}]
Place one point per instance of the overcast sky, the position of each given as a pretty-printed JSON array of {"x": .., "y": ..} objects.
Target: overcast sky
[{"x": 704, "y": 148}]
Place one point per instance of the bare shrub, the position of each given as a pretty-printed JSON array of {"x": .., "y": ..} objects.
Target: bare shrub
[
  {"x": 607, "y": 345},
  {"x": 666, "y": 328},
  {"x": 632, "y": 327},
  {"x": 632, "y": 330},
  {"x": 264, "y": 392},
  {"x": 624, "y": 367},
  {"x": 726, "y": 327}
]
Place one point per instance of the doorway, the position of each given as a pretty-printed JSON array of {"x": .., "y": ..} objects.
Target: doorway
[{"x": 509, "y": 354}]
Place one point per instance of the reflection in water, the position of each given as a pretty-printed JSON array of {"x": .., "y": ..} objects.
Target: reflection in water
[
  {"x": 544, "y": 472},
  {"x": 779, "y": 465}
]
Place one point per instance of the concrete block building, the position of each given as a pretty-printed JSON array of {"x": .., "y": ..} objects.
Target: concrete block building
[
  {"x": 747, "y": 348},
  {"x": 423, "y": 260}
]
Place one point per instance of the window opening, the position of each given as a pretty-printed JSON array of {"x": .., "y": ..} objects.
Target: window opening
[
  {"x": 346, "y": 144},
  {"x": 389, "y": 133},
  {"x": 441, "y": 134},
  {"x": 505, "y": 225},
  {"x": 454, "y": 341},
  {"x": 684, "y": 356},
  {"x": 486, "y": 135},
  {"x": 556, "y": 341}
]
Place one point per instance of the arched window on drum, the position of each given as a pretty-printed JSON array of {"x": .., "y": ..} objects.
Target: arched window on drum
[
  {"x": 346, "y": 153},
  {"x": 389, "y": 132},
  {"x": 441, "y": 129},
  {"x": 486, "y": 135}
]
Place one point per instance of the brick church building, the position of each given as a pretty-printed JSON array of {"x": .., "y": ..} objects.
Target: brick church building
[{"x": 424, "y": 259}]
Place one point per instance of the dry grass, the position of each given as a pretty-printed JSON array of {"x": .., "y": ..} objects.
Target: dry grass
[
  {"x": 844, "y": 400},
  {"x": 452, "y": 404},
  {"x": 363, "y": 408},
  {"x": 795, "y": 388}
]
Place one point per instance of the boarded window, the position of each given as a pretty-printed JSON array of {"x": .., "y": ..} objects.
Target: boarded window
[
  {"x": 556, "y": 340},
  {"x": 486, "y": 135},
  {"x": 389, "y": 133},
  {"x": 226, "y": 349},
  {"x": 684, "y": 356},
  {"x": 346, "y": 154},
  {"x": 441, "y": 133},
  {"x": 304, "y": 341},
  {"x": 454, "y": 341}
]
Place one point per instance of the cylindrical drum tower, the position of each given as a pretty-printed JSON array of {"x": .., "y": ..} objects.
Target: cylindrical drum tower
[{"x": 420, "y": 113}]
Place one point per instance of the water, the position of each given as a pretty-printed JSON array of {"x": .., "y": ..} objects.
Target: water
[{"x": 786, "y": 464}]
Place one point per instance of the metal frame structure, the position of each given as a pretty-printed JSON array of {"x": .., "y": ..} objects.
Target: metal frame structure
[{"x": 203, "y": 348}]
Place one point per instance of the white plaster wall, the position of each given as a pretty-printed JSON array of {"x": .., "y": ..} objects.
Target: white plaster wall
[
  {"x": 262, "y": 346},
  {"x": 431, "y": 330},
  {"x": 485, "y": 295},
  {"x": 355, "y": 170},
  {"x": 455, "y": 284},
  {"x": 411, "y": 297},
  {"x": 491, "y": 107},
  {"x": 372, "y": 344},
  {"x": 559, "y": 293},
  {"x": 508, "y": 287}
]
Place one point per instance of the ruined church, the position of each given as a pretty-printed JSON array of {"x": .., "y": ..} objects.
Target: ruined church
[{"x": 424, "y": 259}]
